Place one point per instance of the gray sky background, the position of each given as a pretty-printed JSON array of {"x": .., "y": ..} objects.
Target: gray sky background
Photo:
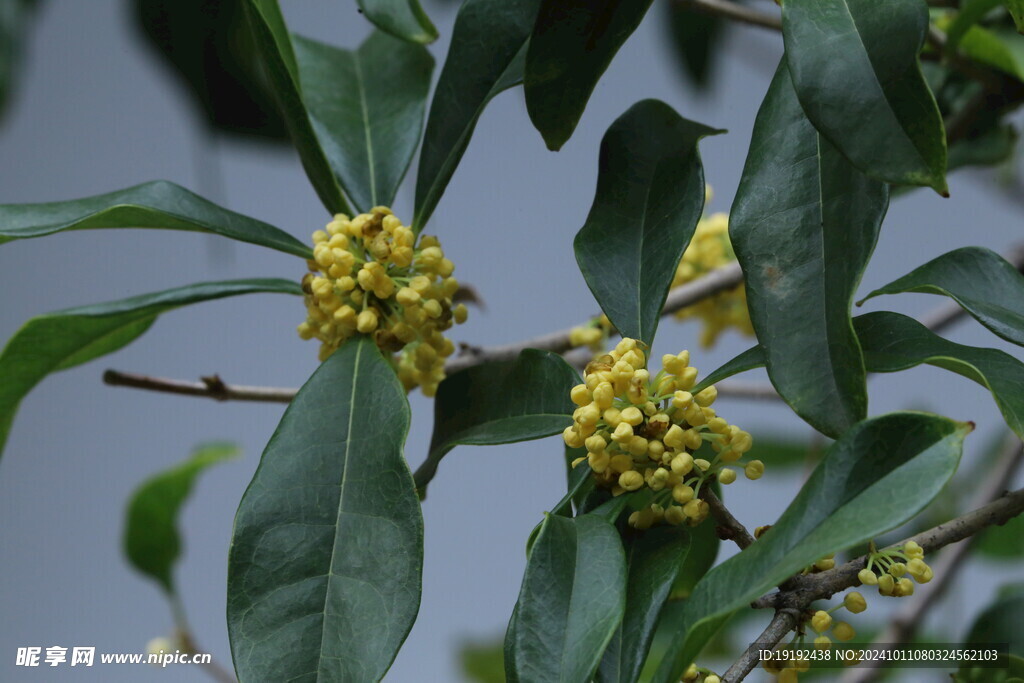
[{"x": 96, "y": 112}]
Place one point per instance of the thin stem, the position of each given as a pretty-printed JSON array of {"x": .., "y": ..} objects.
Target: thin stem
[
  {"x": 903, "y": 625},
  {"x": 801, "y": 591},
  {"x": 733, "y": 528},
  {"x": 731, "y": 10}
]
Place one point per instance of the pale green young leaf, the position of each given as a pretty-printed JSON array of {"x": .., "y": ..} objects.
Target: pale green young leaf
[
  {"x": 873, "y": 104},
  {"x": 64, "y": 339},
  {"x": 571, "y": 601},
  {"x": 325, "y": 562},
  {"x": 474, "y": 72},
  {"x": 804, "y": 224},
  {"x": 403, "y": 19},
  {"x": 650, "y": 195},
  {"x": 158, "y": 204},
  {"x": 151, "y": 539},
  {"x": 573, "y": 42},
  {"x": 879, "y": 474}
]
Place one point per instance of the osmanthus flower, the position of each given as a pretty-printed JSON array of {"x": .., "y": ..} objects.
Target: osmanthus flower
[
  {"x": 710, "y": 248},
  {"x": 369, "y": 276},
  {"x": 643, "y": 431},
  {"x": 820, "y": 628},
  {"x": 697, "y": 674},
  {"x": 894, "y": 566}
]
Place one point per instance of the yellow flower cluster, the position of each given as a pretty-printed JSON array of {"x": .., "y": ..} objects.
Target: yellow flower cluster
[
  {"x": 895, "y": 564},
  {"x": 696, "y": 674},
  {"x": 821, "y": 621},
  {"x": 710, "y": 248},
  {"x": 369, "y": 276},
  {"x": 642, "y": 431}
]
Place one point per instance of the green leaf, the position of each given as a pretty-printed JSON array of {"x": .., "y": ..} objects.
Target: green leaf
[
  {"x": 1010, "y": 670},
  {"x": 704, "y": 545},
  {"x": 500, "y": 402},
  {"x": 403, "y": 19},
  {"x": 984, "y": 283},
  {"x": 366, "y": 107},
  {"x": 579, "y": 482},
  {"x": 1000, "y": 621},
  {"x": 653, "y": 559},
  {"x": 15, "y": 20},
  {"x": 151, "y": 539},
  {"x": 474, "y": 72},
  {"x": 894, "y": 342},
  {"x": 157, "y": 204},
  {"x": 1005, "y": 542},
  {"x": 877, "y": 80},
  {"x": 879, "y": 474},
  {"x": 967, "y": 16},
  {"x": 483, "y": 662},
  {"x": 573, "y": 43},
  {"x": 571, "y": 601},
  {"x": 695, "y": 40},
  {"x": 1016, "y": 8},
  {"x": 750, "y": 359},
  {"x": 210, "y": 48},
  {"x": 650, "y": 195},
  {"x": 273, "y": 47},
  {"x": 804, "y": 224},
  {"x": 994, "y": 49},
  {"x": 324, "y": 568},
  {"x": 64, "y": 339}
]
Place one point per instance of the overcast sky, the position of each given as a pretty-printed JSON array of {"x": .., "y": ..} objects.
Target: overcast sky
[{"x": 96, "y": 112}]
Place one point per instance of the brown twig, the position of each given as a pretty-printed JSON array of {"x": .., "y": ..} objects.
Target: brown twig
[
  {"x": 731, "y": 10},
  {"x": 903, "y": 625},
  {"x": 210, "y": 387},
  {"x": 730, "y": 528},
  {"x": 801, "y": 591}
]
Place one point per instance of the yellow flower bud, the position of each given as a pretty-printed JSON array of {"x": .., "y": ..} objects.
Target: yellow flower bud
[
  {"x": 821, "y": 621},
  {"x": 460, "y": 313},
  {"x": 754, "y": 469},
  {"x": 682, "y": 464},
  {"x": 707, "y": 396},
  {"x": 867, "y": 577},
  {"x": 631, "y": 480},
  {"x": 855, "y": 602},
  {"x": 674, "y": 515},
  {"x": 727, "y": 476},
  {"x": 623, "y": 433},
  {"x": 595, "y": 443},
  {"x": 613, "y": 417},
  {"x": 886, "y": 584},
  {"x": 912, "y": 550},
  {"x": 682, "y": 494},
  {"x": 367, "y": 321},
  {"x": 898, "y": 569},
  {"x": 825, "y": 563},
  {"x": 843, "y": 631},
  {"x": 407, "y": 296},
  {"x": 621, "y": 463},
  {"x": 598, "y": 461},
  {"x": 906, "y": 587},
  {"x": 822, "y": 642},
  {"x": 702, "y": 464},
  {"x": 580, "y": 395},
  {"x": 637, "y": 445},
  {"x": 572, "y": 438}
]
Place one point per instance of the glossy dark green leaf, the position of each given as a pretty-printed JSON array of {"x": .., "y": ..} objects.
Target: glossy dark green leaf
[
  {"x": 209, "y": 46},
  {"x": 501, "y": 402},
  {"x": 508, "y": 649},
  {"x": 325, "y": 562},
  {"x": 804, "y": 224},
  {"x": 995, "y": 49},
  {"x": 474, "y": 72},
  {"x": 704, "y": 546},
  {"x": 1000, "y": 622},
  {"x": 750, "y": 359},
  {"x": 1006, "y": 669},
  {"x": 366, "y": 107},
  {"x": 650, "y": 195},
  {"x": 653, "y": 560},
  {"x": 15, "y": 19},
  {"x": 579, "y": 482},
  {"x": 151, "y": 539},
  {"x": 64, "y": 339},
  {"x": 983, "y": 282},
  {"x": 273, "y": 46},
  {"x": 573, "y": 42},
  {"x": 873, "y": 104},
  {"x": 158, "y": 204},
  {"x": 894, "y": 342},
  {"x": 571, "y": 602},
  {"x": 403, "y": 19},
  {"x": 881, "y": 473},
  {"x": 695, "y": 39}
]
